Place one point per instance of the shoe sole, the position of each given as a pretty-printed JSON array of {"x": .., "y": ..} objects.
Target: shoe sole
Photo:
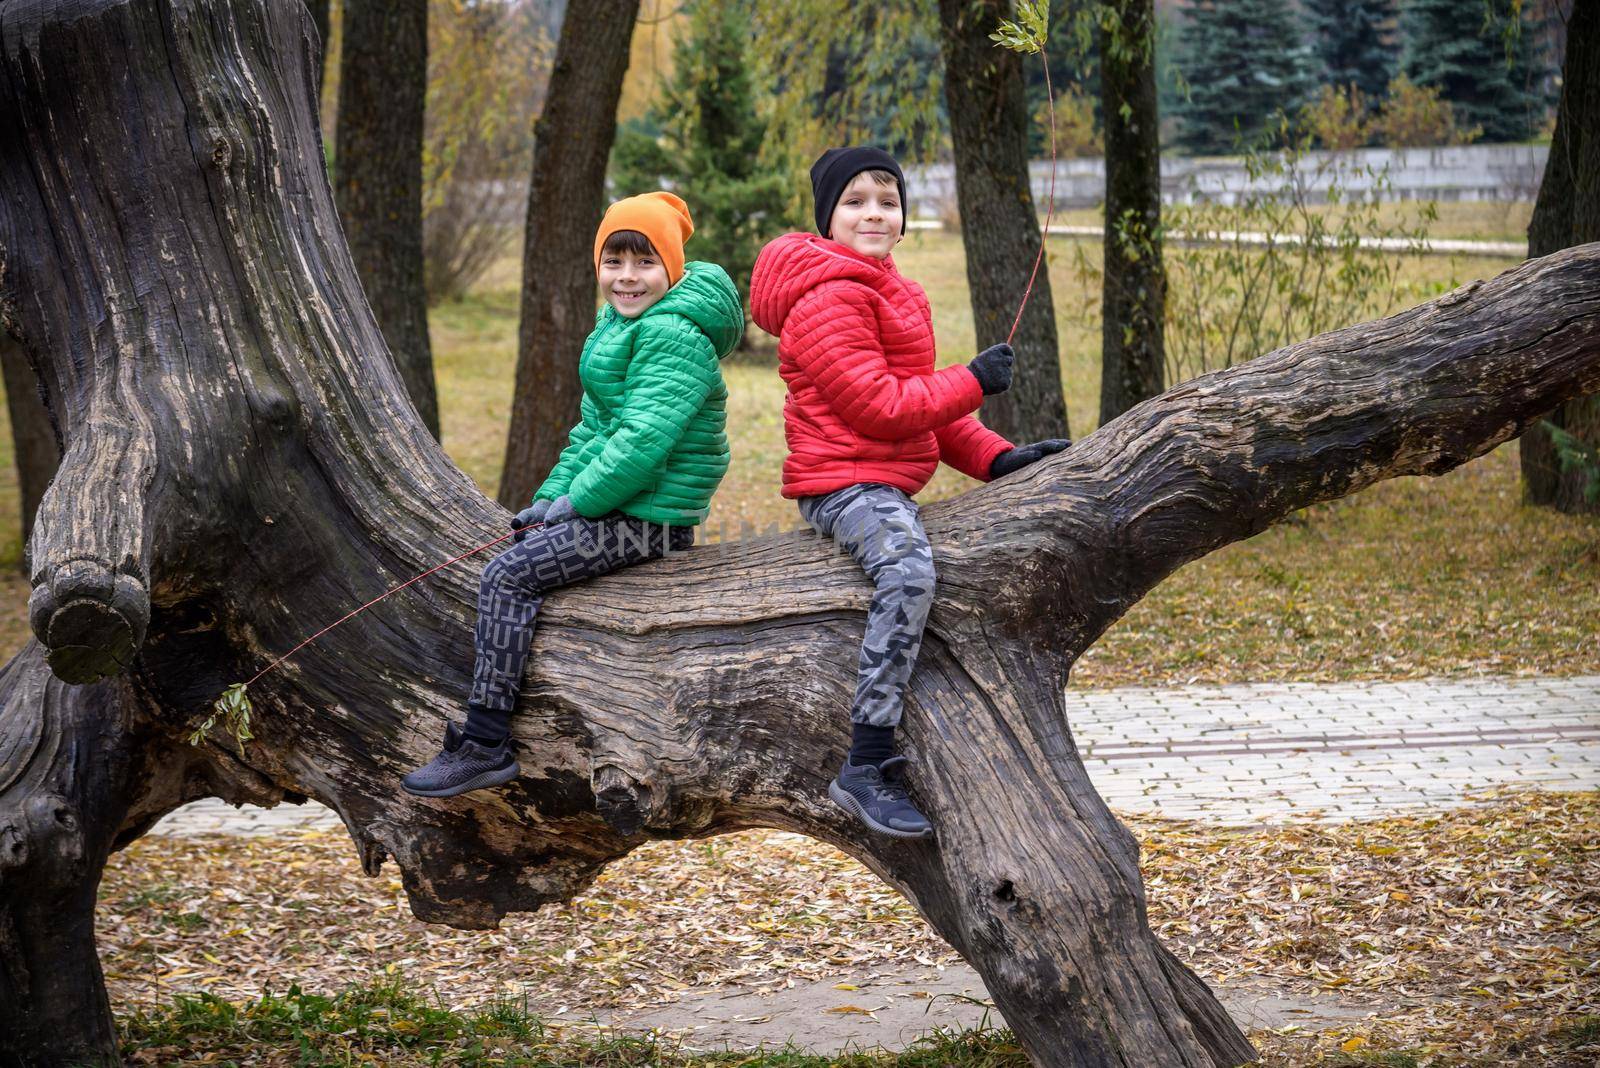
[
  {"x": 481, "y": 781},
  {"x": 843, "y": 799}
]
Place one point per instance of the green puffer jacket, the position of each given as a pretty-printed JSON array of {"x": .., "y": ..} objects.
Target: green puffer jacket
[{"x": 652, "y": 443}]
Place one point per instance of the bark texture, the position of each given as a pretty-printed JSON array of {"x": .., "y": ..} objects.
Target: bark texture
[
  {"x": 239, "y": 471},
  {"x": 987, "y": 102},
  {"x": 383, "y": 81},
  {"x": 1567, "y": 213},
  {"x": 1134, "y": 285},
  {"x": 33, "y": 438},
  {"x": 571, "y": 148}
]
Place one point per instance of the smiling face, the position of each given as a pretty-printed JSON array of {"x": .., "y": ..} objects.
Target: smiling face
[
  {"x": 632, "y": 276},
  {"x": 869, "y": 216}
]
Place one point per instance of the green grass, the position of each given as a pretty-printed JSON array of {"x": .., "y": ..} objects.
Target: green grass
[
  {"x": 383, "y": 1022},
  {"x": 1581, "y": 1031},
  {"x": 1375, "y": 1059}
]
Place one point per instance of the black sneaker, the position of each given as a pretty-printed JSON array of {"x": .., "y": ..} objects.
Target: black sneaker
[
  {"x": 463, "y": 765},
  {"x": 877, "y": 797}
]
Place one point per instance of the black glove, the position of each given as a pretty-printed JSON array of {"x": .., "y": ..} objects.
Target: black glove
[
  {"x": 529, "y": 516},
  {"x": 992, "y": 368},
  {"x": 1023, "y": 455}
]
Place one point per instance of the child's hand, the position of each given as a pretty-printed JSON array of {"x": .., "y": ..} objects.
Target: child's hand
[
  {"x": 992, "y": 368},
  {"x": 530, "y": 515},
  {"x": 560, "y": 511},
  {"x": 1023, "y": 455}
]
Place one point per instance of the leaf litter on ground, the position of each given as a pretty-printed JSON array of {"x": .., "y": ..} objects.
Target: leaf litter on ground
[{"x": 1472, "y": 934}]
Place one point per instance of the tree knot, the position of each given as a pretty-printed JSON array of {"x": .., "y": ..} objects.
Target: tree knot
[{"x": 626, "y": 804}]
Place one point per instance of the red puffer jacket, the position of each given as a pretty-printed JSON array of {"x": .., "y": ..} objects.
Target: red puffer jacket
[{"x": 855, "y": 345}]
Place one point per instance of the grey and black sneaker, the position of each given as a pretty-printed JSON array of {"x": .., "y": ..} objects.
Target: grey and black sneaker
[
  {"x": 463, "y": 765},
  {"x": 877, "y": 797}
]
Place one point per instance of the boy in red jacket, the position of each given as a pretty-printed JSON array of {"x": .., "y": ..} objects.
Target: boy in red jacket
[{"x": 868, "y": 420}]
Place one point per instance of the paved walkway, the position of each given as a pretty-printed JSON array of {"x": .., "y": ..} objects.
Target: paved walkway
[
  {"x": 1266, "y": 752},
  {"x": 893, "y": 1006},
  {"x": 1270, "y": 752}
]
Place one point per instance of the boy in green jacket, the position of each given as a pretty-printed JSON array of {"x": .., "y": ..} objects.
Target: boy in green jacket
[{"x": 636, "y": 476}]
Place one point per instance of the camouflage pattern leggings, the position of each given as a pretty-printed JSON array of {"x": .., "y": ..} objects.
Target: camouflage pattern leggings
[
  {"x": 514, "y": 584},
  {"x": 878, "y": 525}
]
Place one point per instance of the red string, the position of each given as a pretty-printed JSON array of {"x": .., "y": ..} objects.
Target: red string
[
  {"x": 381, "y": 596},
  {"x": 1050, "y": 204}
]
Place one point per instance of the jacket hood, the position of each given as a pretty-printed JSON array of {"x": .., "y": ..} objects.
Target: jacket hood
[
  {"x": 795, "y": 264},
  {"x": 705, "y": 295}
]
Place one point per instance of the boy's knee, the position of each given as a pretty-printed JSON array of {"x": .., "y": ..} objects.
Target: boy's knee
[
  {"x": 915, "y": 576},
  {"x": 499, "y": 574},
  {"x": 920, "y": 577},
  {"x": 494, "y": 574}
]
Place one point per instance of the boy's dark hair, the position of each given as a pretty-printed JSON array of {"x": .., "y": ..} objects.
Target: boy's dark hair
[
  {"x": 883, "y": 177},
  {"x": 631, "y": 242}
]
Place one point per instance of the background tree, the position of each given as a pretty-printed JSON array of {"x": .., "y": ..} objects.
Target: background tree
[
  {"x": 1485, "y": 73},
  {"x": 1567, "y": 213},
  {"x": 712, "y": 144},
  {"x": 1133, "y": 288},
  {"x": 1243, "y": 61},
  {"x": 33, "y": 439},
  {"x": 320, "y": 19},
  {"x": 383, "y": 81},
  {"x": 987, "y": 104},
  {"x": 1338, "y": 118},
  {"x": 566, "y": 197},
  {"x": 845, "y": 73},
  {"x": 1414, "y": 115},
  {"x": 1073, "y": 55},
  {"x": 1355, "y": 43},
  {"x": 487, "y": 66}
]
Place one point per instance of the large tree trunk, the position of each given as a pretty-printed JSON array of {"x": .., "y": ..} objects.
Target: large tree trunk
[
  {"x": 1567, "y": 213},
  {"x": 383, "y": 82},
  {"x": 987, "y": 100},
  {"x": 32, "y": 437},
  {"x": 240, "y": 470},
  {"x": 1134, "y": 285},
  {"x": 571, "y": 148}
]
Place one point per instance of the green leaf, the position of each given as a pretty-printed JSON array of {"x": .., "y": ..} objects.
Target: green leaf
[
  {"x": 1028, "y": 34},
  {"x": 233, "y": 710}
]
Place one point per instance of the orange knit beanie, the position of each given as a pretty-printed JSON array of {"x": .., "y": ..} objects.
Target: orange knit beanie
[{"x": 661, "y": 217}]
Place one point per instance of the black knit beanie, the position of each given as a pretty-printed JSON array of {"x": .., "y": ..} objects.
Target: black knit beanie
[{"x": 836, "y": 168}]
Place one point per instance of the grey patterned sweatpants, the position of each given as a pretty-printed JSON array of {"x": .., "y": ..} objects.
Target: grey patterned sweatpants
[
  {"x": 514, "y": 584},
  {"x": 878, "y": 525}
]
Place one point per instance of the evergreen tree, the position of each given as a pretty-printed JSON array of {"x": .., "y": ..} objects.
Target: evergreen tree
[
  {"x": 1450, "y": 44},
  {"x": 1355, "y": 41},
  {"x": 1244, "y": 61},
  {"x": 705, "y": 140}
]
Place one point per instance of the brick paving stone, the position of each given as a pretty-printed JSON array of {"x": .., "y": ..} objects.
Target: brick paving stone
[{"x": 1265, "y": 752}]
